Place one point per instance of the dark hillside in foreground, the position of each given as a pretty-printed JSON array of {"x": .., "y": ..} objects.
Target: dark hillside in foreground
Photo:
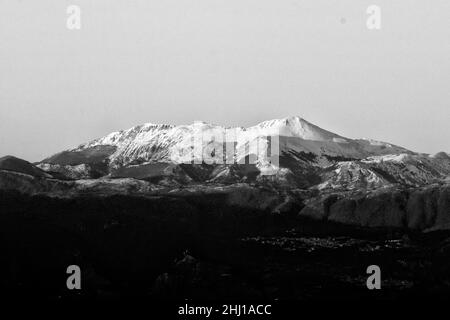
[
  {"x": 11, "y": 163},
  {"x": 178, "y": 247}
]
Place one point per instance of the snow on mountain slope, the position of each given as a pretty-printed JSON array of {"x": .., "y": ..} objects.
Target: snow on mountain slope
[
  {"x": 380, "y": 171},
  {"x": 411, "y": 169},
  {"x": 168, "y": 143},
  {"x": 351, "y": 175},
  {"x": 305, "y": 154}
]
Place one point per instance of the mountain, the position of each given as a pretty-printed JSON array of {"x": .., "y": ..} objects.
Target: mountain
[
  {"x": 289, "y": 151},
  {"x": 282, "y": 166},
  {"x": 167, "y": 143}
]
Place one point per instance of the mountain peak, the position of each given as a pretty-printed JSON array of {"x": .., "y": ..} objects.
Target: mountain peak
[{"x": 298, "y": 127}]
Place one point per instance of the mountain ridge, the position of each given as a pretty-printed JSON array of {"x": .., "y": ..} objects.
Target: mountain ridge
[
  {"x": 306, "y": 156},
  {"x": 288, "y": 152},
  {"x": 131, "y": 143}
]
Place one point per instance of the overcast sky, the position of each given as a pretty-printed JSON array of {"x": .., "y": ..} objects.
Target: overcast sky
[{"x": 230, "y": 62}]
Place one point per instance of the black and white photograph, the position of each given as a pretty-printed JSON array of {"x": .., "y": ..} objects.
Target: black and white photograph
[{"x": 225, "y": 158}]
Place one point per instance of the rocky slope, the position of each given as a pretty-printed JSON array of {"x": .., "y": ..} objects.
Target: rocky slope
[{"x": 423, "y": 208}]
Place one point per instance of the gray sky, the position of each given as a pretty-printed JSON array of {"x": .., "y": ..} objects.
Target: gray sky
[{"x": 230, "y": 62}]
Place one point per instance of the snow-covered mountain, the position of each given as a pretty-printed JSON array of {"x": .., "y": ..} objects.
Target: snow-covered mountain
[
  {"x": 177, "y": 144},
  {"x": 289, "y": 150},
  {"x": 185, "y": 143}
]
